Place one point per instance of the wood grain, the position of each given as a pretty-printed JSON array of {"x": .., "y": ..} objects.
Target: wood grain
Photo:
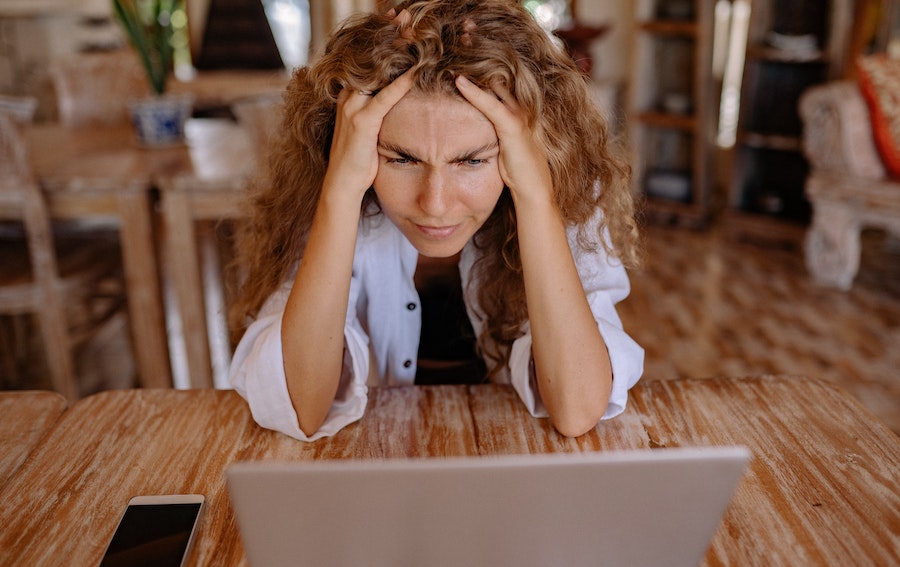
[
  {"x": 822, "y": 487},
  {"x": 100, "y": 174},
  {"x": 823, "y": 484},
  {"x": 25, "y": 417}
]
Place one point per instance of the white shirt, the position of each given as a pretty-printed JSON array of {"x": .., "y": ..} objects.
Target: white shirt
[{"x": 382, "y": 329}]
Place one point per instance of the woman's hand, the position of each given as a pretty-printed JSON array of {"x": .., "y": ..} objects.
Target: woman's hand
[
  {"x": 353, "y": 160},
  {"x": 523, "y": 162},
  {"x": 572, "y": 366},
  {"x": 318, "y": 299}
]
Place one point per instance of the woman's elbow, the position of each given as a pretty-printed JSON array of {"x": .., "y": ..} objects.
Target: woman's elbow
[
  {"x": 579, "y": 410},
  {"x": 576, "y": 424},
  {"x": 310, "y": 419}
]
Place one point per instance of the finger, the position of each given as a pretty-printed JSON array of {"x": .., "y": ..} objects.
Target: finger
[
  {"x": 473, "y": 93},
  {"x": 402, "y": 21},
  {"x": 402, "y": 18},
  {"x": 390, "y": 95},
  {"x": 504, "y": 95},
  {"x": 352, "y": 99},
  {"x": 488, "y": 103}
]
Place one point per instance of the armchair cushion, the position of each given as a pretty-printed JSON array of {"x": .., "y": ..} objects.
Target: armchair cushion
[{"x": 879, "y": 80}]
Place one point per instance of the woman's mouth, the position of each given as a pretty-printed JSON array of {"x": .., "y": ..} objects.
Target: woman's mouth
[{"x": 436, "y": 232}]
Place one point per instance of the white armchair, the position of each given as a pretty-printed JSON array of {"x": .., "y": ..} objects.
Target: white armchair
[{"x": 848, "y": 185}]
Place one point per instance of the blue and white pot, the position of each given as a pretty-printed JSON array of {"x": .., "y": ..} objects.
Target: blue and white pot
[{"x": 159, "y": 121}]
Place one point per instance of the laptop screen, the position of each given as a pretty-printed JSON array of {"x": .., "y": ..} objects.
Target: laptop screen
[{"x": 650, "y": 507}]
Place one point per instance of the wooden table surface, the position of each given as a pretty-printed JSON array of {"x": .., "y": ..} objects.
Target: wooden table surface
[
  {"x": 25, "y": 417},
  {"x": 821, "y": 489},
  {"x": 101, "y": 174}
]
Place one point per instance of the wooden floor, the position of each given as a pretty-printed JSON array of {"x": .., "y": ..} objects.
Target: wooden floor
[{"x": 703, "y": 306}]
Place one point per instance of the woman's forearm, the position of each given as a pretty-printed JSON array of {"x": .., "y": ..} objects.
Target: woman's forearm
[
  {"x": 572, "y": 364},
  {"x": 312, "y": 330}
]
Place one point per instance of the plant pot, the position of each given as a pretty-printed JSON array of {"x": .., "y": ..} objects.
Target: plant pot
[{"x": 159, "y": 121}]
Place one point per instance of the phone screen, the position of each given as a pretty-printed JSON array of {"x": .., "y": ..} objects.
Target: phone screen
[{"x": 152, "y": 534}]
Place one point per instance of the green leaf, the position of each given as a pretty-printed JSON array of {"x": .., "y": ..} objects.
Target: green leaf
[{"x": 148, "y": 24}]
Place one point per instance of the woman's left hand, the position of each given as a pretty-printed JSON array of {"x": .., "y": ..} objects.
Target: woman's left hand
[{"x": 523, "y": 161}]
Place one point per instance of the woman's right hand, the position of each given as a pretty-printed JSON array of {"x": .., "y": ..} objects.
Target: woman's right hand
[
  {"x": 318, "y": 300},
  {"x": 353, "y": 160}
]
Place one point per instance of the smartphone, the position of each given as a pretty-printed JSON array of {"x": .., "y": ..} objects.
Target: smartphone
[{"x": 155, "y": 530}]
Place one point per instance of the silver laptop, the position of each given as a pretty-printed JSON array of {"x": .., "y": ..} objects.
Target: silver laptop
[{"x": 633, "y": 508}]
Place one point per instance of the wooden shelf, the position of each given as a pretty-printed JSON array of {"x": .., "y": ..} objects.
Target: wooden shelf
[
  {"x": 688, "y": 123},
  {"x": 771, "y": 141},
  {"x": 669, "y": 212},
  {"x": 768, "y": 53},
  {"x": 672, "y": 151},
  {"x": 766, "y": 196},
  {"x": 764, "y": 229},
  {"x": 670, "y": 27}
]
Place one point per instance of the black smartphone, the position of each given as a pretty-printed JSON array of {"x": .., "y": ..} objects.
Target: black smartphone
[{"x": 155, "y": 530}]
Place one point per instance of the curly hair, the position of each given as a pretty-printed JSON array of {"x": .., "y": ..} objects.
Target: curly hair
[{"x": 493, "y": 43}]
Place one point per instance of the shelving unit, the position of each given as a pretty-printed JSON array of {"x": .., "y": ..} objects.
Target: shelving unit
[
  {"x": 672, "y": 108},
  {"x": 792, "y": 45}
]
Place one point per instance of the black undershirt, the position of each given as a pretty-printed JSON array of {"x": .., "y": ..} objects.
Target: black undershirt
[{"x": 447, "y": 352}]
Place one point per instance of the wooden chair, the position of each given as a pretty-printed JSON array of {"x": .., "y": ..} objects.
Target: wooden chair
[
  {"x": 95, "y": 88},
  {"x": 93, "y": 92},
  {"x": 202, "y": 216},
  {"x": 71, "y": 287}
]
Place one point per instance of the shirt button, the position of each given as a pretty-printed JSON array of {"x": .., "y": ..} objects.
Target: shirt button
[
  {"x": 407, "y": 363},
  {"x": 411, "y": 306}
]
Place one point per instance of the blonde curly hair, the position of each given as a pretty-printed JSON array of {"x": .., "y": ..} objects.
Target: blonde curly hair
[{"x": 493, "y": 43}]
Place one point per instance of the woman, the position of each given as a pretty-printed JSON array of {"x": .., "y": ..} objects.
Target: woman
[{"x": 442, "y": 167}]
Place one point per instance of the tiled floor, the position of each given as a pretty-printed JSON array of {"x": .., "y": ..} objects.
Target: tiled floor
[{"x": 704, "y": 306}]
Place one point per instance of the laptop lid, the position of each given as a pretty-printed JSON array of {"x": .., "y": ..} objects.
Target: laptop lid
[{"x": 658, "y": 507}]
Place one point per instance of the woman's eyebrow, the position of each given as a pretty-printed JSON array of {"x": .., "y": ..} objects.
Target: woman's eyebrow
[
  {"x": 408, "y": 154},
  {"x": 477, "y": 151},
  {"x": 395, "y": 149}
]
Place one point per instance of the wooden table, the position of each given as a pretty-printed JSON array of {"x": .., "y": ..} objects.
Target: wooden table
[
  {"x": 101, "y": 174},
  {"x": 25, "y": 417},
  {"x": 821, "y": 489},
  {"x": 213, "y": 193}
]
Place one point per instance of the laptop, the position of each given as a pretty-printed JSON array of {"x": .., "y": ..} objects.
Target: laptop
[{"x": 651, "y": 507}]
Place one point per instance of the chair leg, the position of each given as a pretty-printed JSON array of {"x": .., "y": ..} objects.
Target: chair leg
[
  {"x": 187, "y": 280},
  {"x": 58, "y": 346},
  {"x": 832, "y": 245},
  {"x": 9, "y": 363}
]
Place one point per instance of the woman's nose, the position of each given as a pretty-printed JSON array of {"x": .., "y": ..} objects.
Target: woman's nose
[{"x": 434, "y": 195}]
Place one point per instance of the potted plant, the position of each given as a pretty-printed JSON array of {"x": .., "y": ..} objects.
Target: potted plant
[{"x": 159, "y": 120}]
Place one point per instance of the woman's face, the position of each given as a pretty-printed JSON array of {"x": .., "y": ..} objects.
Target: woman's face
[{"x": 438, "y": 179}]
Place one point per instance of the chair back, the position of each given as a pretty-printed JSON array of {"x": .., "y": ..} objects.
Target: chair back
[
  {"x": 22, "y": 199},
  {"x": 15, "y": 170},
  {"x": 20, "y": 107},
  {"x": 95, "y": 88}
]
